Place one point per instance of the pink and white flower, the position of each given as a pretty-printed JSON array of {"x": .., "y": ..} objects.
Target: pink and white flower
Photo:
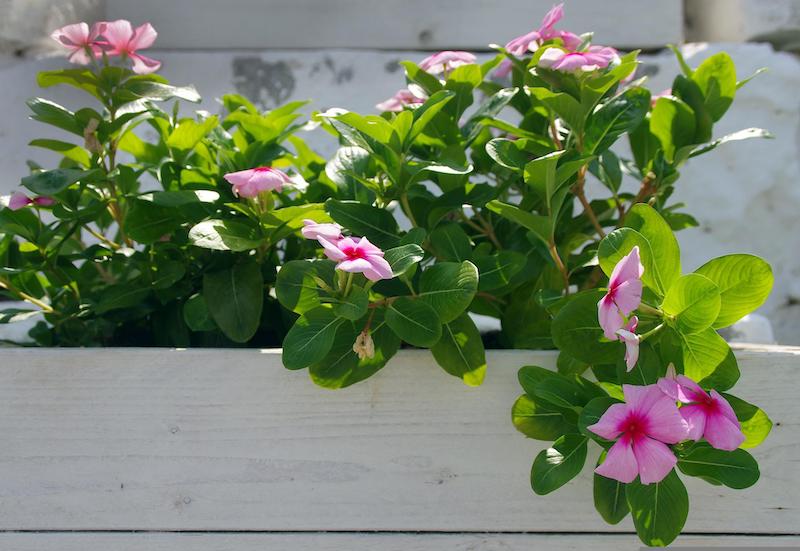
[
  {"x": 400, "y": 100},
  {"x": 529, "y": 42},
  {"x": 594, "y": 58},
  {"x": 331, "y": 232},
  {"x": 19, "y": 200},
  {"x": 642, "y": 428},
  {"x": 357, "y": 256},
  {"x": 446, "y": 61},
  {"x": 624, "y": 294},
  {"x": 251, "y": 182},
  {"x": 628, "y": 335},
  {"x": 124, "y": 40},
  {"x": 708, "y": 416},
  {"x": 81, "y": 40}
]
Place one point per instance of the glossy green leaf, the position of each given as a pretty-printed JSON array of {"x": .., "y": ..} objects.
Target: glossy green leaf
[
  {"x": 735, "y": 469},
  {"x": 414, "y": 321},
  {"x": 694, "y": 302},
  {"x": 196, "y": 314},
  {"x": 538, "y": 224},
  {"x": 535, "y": 419},
  {"x": 558, "y": 464},
  {"x": 666, "y": 253},
  {"x": 709, "y": 360},
  {"x": 609, "y": 497},
  {"x": 235, "y": 298},
  {"x": 744, "y": 282},
  {"x": 577, "y": 331},
  {"x": 659, "y": 510},
  {"x": 755, "y": 423},
  {"x": 620, "y": 115},
  {"x": 673, "y": 123},
  {"x": 147, "y": 222},
  {"x": 225, "y": 235},
  {"x": 402, "y": 258},
  {"x": 449, "y": 288},
  {"x": 618, "y": 244},
  {"x": 378, "y": 225},
  {"x": 296, "y": 288},
  {"x": 50, "y": 182},
  {"x": 460, "y": 351},
  {"x": 353, "y": 306},
  {"x": 716, "y": 77},
  {"x": 310, "y": 338},
  {"x": 497, "y": 270},
  {"x": 451, "y": 243}
]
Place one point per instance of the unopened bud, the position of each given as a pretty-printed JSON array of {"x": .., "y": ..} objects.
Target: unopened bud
[
  {"x": 91, "y": 143},
  {"x": 364, "y": 346}
]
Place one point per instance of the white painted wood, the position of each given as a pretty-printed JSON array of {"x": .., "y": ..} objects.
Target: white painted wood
[
  {"x": 362, "y": 542},
  {"x": 387, "y": 24},
  {"x": 136, "y": 439}
]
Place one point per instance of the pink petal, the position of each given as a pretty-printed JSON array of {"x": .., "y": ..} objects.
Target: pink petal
[
  {"x": 689, "y": 391},
  {"x": 380, "y": 269},
  {"x": 504, "y": 69},
  {"x": 119, "y": 34},
  {"x": 521, "y": 45},
  {"x": 723, "y": 406},
  {"x": 446, "y": 60},
  {"x": 631, "y": 341},
  {"x": 332, "y": 250},
  {"x": 574, "y": 62},
  {"x": 355, "y": 265},
  {"x": 620, "y": 462},
  {"x": 628, "y": 295},
  {"x": 664, "y": 420},
  {"x": 611, "y": 423},
  {"x": 722, "y": 432},
  {"x": 143, "y": 37},
  {"x": 641, "y": 399},
  {"x": 654, "y": 459},
  {"x": 695, "y": 417},
  {"x": 551, "y": 57},
  {"x": 143, "y": 65},
  {"x": 312, "y": 230},
  {"x": 571, "y": 40},
  {"x": 368, "y": 248},
  {"x": 75, "y": 35},
  {"x": 609, "y": 316},
  {"x": 18, "y": 201},
  {"x": 80, "y": 57},
  {"x": 628, "y": 268},
  {"x": 669, "y": 386},
  {"x": 553, "y": 16},
  {"x": 43, "y": 201}
]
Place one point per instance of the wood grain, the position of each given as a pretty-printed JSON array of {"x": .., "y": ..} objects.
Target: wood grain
[
  {"x": 135, "y": 439},
  {"x": 383, "y": 24},
  {"x": 361, "y": 542}
]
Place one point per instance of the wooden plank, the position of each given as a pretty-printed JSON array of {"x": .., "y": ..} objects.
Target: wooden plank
[
  {"x": 363, "y": 542},
  {"x": 384, "y": 24},
  {"x": 136, "y": 439}
]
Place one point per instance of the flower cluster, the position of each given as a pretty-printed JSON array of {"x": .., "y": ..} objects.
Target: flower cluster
[{"x": 109, "y": 38}]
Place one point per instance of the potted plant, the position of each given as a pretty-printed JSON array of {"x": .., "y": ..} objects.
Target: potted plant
[{"x": 466, "y": 195}]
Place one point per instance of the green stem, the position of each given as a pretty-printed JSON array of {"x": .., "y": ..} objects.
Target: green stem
[
  {"x": 654, "y": 331},
  {"x": 652, "y": 310},
  {"x": 349, "y": 284},
  {"x": 407, "y": 209}
]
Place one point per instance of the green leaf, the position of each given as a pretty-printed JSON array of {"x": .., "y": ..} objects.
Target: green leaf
[
  {"x": 577, "y": 331},
  {"x": 506, "y": 153},
  {"x": 70, "y": 151},
  {"x": 414, "y": 321},
  {"x": 353, "y": 306},
  {"x": 673, "y": 123},
  {"x": 402, "y": 258},
  {"x": 619, "y": 116},
  {"x": 497, "y": 270},
  {"x": 735, "y": 469},
  {"x": 462, "y": 80},
  {"x": 618, "y": 244},
  {"x": 225, "y": 235},
  {"x": 158, "y": 91},
  {"x": 147, "y": 222},
  {"x": 50, "y": 182},
  {"x": 196, "y": 314},
  {"x": 460, "y": 351},
  {"x": 180, "y": 198},
  {"x": 744, "y": 282},
  {"x": 55, "y": 115},
  {"x": 121, "y": 296},
  {"x": 538, "y": 224},
  {"x": 451, "y": 243},
  {"x": 694, "y": 301},
  {"x": 235, "y": 298},
  {"x": 538, "y": 420},
  {"x": 425, "y": 113},
  {"x": 663, "y": 244},
  {"x": 716, "y": 77},
  {"x": 310, "y": 338},
  {"x": 295, "y": 287},
  {"x": 189, "y": 132},
  {"x": 591, "y": 414},
  {"x": 378, "y": 225},
  {"x": 609, "y": 498},
  {"x": 559, "y": 464},
  {"x": 755, "y": 423},
  {"x": 347, "y": 162},
  {"x": 659, "y": 510},
  {"x": 709, "y": 360},
  {"x": 744, "y": 134},
  {"x": 449, "y": 288},
  {"x": 489, "y": 108},
  {"x": 564, "y": 105},
  {"x": 429, "y": 83}
]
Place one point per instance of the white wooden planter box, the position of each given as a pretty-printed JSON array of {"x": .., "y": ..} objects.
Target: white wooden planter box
[{"x": 148, "y": 449}]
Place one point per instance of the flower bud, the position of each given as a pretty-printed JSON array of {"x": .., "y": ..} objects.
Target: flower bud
[{"x": 364, "y": 346}]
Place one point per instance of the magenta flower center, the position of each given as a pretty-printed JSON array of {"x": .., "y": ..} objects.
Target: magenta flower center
[
  {"x": 262, "y": 169},
  {"x": 634, "y": 427},
  {"x": 353, "y": 253}
]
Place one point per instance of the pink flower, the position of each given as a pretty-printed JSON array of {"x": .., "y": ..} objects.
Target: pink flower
[
  {"x": 249, "y": 183},
  {"x": 631, "y": 340},
  {"x": 529, "y": 42},
  {"x": 358, "y": 256},
  {"x": 446, "y": 61},
  {"x": 594, "y": 58},
  {"x": 504, "y": 69},
  {"x": 398, "y": 101},
  {"x": 329, "y": 232},
  {"x": 19, "y": 200},
  {"x": 79, "y": 39},
  {"x": 624, "y": 294},
  {"x": 124, "y": 40},
  {"x": 708, "y": 416},
  {"x": 642, "y": 426}
]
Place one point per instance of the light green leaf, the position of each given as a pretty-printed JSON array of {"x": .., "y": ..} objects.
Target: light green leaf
[
  {"x": 225, "y": 235},
  {"x": 449, "y": 288},
  {"x": 663, "y": 244},
  {"x": 694, "y": 301},
  {"x": 460, "y": 350},
  {"x": 310, "y": 338},
  {"x": 537, "y": 420},
  {"x": 716, "y": 77},
  {"x": 709, "y": 360},
  {"x": 673, "y": 123},
  {"x": 414, "y": 321},
  {"x": 755, "y": 423},
  {"x": 744, "y": 282}
]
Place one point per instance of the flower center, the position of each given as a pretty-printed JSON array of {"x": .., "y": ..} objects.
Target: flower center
[
  {"x": 634, "y": 427},
  {"x": 353, "y": 253}
]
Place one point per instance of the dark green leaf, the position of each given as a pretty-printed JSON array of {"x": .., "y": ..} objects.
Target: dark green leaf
[
  {"x": 235, "y": 298},
  {"x": 460, "y": 351},
  {"x": 559, "y": 464},
  {"x": 414, "y": 321},
  {"x": 659, "y": 510},
  {"x": 735, "y": 469}
]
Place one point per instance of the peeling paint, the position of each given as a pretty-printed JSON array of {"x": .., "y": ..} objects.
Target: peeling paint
[{"x": 264, "y": 83}]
